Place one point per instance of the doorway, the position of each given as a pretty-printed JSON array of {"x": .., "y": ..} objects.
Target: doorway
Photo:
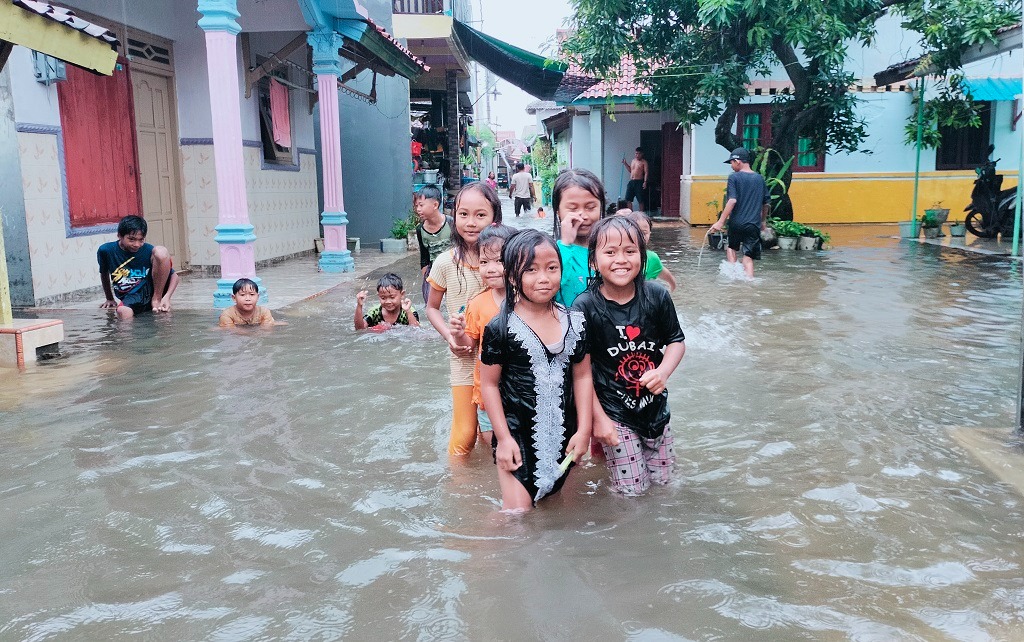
[{"x": 650, "y": 143}]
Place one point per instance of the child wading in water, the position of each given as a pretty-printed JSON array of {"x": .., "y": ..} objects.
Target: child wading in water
[
  {"x": 456, "y": 273},
  {"x": 578, "y": 201},
  {"x": 394, "y": 309},
  {"x": 246, "y": 294},
  {"x": 635, "y": 344},
  {"x": 468, "y": 329},
  {"x": 535, "y": 375}
]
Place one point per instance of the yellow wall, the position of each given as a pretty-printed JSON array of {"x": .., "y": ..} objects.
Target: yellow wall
[{"x": 854, "y": 198}]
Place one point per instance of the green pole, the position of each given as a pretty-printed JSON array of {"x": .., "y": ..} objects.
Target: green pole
[{"x": 917, "y": 162}]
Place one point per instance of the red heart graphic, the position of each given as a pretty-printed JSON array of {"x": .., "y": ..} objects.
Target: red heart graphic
[{"x": 632, "y": 332}]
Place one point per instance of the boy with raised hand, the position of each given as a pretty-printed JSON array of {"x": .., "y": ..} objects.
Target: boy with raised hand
[
  {"x": 136, "y": 276},
  {"x": 394, "y": 307},
  {"x": 434, "y": 233}
]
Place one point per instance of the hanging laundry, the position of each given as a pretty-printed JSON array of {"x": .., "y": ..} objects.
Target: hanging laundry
[{"x": 279, "y": 116}]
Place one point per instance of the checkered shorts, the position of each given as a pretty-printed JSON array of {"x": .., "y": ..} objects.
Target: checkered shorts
[{"x": 637, "y": 462}]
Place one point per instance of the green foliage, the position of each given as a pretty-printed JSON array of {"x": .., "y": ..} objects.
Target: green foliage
[
  {"x": 488, "y": 144},
  {"x": 774, "y": 174},
  {"x": 815, "y": 232},
  {"x": 401, "y": 227},
  {"x": 698, "y": 56},
  {"x": 928, "y": 219},
  {"x": 786, "y": 228}
]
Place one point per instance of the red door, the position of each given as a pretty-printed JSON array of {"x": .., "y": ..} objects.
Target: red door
[
  {"x": 97, "y": 120},
  {"x": 671, "y": 168}
]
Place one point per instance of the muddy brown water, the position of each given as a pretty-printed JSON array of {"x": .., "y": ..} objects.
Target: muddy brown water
[{"x": 181, "y": 483}]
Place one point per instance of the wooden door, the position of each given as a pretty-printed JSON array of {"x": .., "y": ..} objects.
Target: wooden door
[
  {"x": 99, "y": 146},
  {"x": 158, "y": 167},
  {"x": 672, "y": 141}
]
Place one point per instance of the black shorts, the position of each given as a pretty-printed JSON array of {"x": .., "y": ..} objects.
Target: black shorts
[
  {"x": 139, "y": 308},
  {"x": 635, "y": 189},
  {"x": 521, "y": 203},
  {"x": 746, "y": 239}
]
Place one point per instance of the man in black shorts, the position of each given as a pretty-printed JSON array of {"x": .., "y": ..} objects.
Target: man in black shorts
[{"x": 746, "y": 210}]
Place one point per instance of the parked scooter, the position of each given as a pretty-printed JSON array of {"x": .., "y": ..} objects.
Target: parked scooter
[{"x": 991, "y": 210}]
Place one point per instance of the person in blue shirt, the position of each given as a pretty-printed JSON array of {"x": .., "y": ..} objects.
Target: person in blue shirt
[{"x": 136, "y": 276}]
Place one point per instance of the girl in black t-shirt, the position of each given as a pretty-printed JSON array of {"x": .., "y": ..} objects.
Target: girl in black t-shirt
[
  {"x": 535, "y": 376},
  {"x": 635, "y": 343}
]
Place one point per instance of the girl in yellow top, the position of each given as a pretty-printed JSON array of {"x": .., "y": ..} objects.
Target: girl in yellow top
[{"x": 455, "y": 277}]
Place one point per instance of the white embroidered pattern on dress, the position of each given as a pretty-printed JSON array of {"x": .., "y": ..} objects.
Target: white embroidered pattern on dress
[{"x": 548, "y": 428}]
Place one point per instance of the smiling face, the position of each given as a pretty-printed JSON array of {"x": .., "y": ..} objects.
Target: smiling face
[
  {"x": 543, "y": 276},
  {"x": 245, "y": 299},
  {"x": 492, "y": 271},
  {"x": 472, "y": 215},
  {"x": 617, "y": 258},
  {"x": 578, "y": 201},
  {"x": 390, "y": 299}
]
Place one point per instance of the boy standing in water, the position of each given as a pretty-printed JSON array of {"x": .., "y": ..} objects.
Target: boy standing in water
[
  {"x": 747, "y": 199},
  {"x": 136, "y": 276},
  {"x": 434, "y": 234}
]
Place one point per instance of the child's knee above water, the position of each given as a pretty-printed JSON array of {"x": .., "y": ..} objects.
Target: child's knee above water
[{"x": 395, "y": 308}]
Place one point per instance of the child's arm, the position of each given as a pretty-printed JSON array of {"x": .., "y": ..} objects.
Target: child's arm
[
  {"x": 667, "y": 277},
  {"x": 437, "y": 320},
  {"x": 267, "y": 320},
  {"x": 583, "y": 390},
  {"x": 110, "y": 301},
  {"x": 409, "y": 314},
  {"x": 359, "y": 322},
  {"x": 506, "y": 454},
  {"x": 570, "y": 225},
  {"x": 226, "y": 321},
  {"x": 603, "y": 428},
  {"x": 657, "y": 379},
  {"x": 424, "y": 250}
]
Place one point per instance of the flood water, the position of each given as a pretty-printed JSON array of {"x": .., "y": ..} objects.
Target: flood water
[{"x": 182, "y": 483}]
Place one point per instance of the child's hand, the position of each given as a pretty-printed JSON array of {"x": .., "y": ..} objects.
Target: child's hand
[
  {"x": 571, "y": 224},
  {"x": 407, "y": 304},
  {"x": 459, "y": 350},
  {"x": 108, "y": 304},
  {"x": 578, "y": 446},
  {"x": 507, "y": 455},
  {"x": 653, "y": 381},
  {"x": 604, "y": 430},
  {"x": 361, "y": 298},
  {"x": 457, "y": 325}
]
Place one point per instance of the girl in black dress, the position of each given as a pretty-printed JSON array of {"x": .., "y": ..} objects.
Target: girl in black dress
[{"x": 535, "y": 375}]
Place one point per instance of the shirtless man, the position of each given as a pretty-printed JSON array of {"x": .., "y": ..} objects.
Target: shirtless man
[{"x": 637, "y": 185}]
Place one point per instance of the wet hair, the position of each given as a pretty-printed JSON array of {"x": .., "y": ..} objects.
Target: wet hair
[
  {"x": 623, "y": 204},
  {"x": 582, "y": 178},
  {"x": 495, "y": 235},
  {"x": 459, "y": 244},
  {"x": 520, "y": 167},
  {"x": 430, "y": 192},
  {"x": 640, "y": 149},
  {"x": 626, "y": 226},
  {"x": 519, "y": 252},
  {"x": 132, "y": 224},
  {"x": 390, "y": 280},
  {"x": 243, "y": 283}
]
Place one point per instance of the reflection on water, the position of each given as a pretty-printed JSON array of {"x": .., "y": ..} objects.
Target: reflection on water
[{"x": 181, "y": 482}]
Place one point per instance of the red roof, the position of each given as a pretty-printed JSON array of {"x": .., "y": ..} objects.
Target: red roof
[{"x": 624, "y": 85}]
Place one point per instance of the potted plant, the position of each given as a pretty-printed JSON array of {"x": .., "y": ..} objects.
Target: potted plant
[
  {"x": 930, "y": 224},
  {"x": 399, "y": 241},
  {"x": 938, "y": 212},
  {"x": 820, "y": 238},
  {"x": 957, "y": 229},
  {"x": 789, "y": 232}
]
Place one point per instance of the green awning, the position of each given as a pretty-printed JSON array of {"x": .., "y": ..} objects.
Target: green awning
[
  {"x": 544, "y": 78},
  {"x": 992, "y": 88}
]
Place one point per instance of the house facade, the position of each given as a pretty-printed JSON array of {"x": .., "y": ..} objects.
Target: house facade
[
  {"x": 222, "y": 125},
  {"x": 604, "y": 125}
]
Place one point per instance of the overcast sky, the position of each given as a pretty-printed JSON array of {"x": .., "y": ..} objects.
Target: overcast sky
[{"x": 530, "y": 25}]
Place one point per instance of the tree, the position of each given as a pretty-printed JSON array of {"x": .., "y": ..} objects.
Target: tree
[{"x": 697, "y": 57}]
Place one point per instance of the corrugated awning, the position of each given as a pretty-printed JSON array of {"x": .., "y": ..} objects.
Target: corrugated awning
[
  {"x": 544, "y": 78},
  {"x": 993, "y": 88},
  {"x": 58, "y": 32}
]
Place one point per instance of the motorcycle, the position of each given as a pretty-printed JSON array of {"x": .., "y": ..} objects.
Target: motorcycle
[{"x": 991, "y": 211}]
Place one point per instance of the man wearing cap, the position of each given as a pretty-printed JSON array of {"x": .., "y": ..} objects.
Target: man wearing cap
[{"x": 746, "y": 210}]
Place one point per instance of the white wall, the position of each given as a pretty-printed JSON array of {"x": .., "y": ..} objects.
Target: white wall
[{"x": 581, "y": 140}]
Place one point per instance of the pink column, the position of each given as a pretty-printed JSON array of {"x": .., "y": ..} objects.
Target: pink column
[
  {"x": 234, "y": 231},
  {"x": 326, "y": 65}
]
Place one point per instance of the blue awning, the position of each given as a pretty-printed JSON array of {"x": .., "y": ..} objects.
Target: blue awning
[{"x": 993, "y": 88}]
